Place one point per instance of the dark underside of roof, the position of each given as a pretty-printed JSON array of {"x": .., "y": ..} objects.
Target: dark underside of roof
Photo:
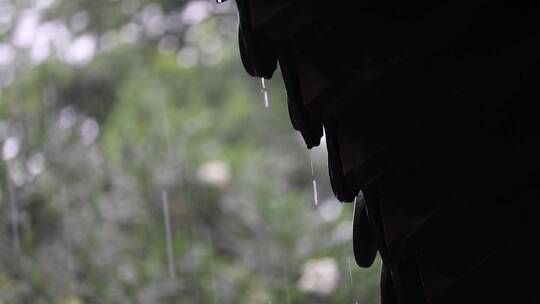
[{"x": 429, "y": 109}]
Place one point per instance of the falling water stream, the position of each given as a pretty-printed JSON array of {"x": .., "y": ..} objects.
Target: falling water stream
[
  {"x": 264, "y": 92},
  {"x": 349, "y": 266},
  {"x": 353, "y": 212},
  {"x": 165, "y": 196},
  {"x": 350, "y": 269},
  {"x": 168, "y": 235}
]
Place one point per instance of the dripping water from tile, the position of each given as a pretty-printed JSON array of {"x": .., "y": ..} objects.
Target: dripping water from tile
[
  {"x": 314, "y": 181},
  {"x": 264, "y": 92}
]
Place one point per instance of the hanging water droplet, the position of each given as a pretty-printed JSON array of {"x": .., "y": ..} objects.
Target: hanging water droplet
[
  {"x": 168, "y": 235},
  {"x": 265, "y": 93}
]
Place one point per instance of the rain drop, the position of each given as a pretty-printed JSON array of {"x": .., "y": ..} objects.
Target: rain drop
[
  {"x": 314, "y": 182},
  {"x": 315, "y": 196}
]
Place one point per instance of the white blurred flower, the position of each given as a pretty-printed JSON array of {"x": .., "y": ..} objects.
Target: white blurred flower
[
  {"x": 195, "y": 12},
  {"x": 214, "y": 173},
  {"x": 35, "y": 164},
  {"x": 81, "y": 50},
  {"x": 66, "y": 118},
  {"x": 319, "y": 276},
  {"x": 130, "y": 33},
  {"x": 11, "y": 148},
  {"x": 89, "y": 131},
  {"x": 26, "y": 29},
  {"x": 153, "y": 20},
  {"x": 58, "y": 33},
  {"x": 49, "y": 36},
  {"x": 41, "y": 48}
]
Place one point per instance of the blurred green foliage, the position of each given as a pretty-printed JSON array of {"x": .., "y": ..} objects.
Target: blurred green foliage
[{"x": 106, "y": 108}]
